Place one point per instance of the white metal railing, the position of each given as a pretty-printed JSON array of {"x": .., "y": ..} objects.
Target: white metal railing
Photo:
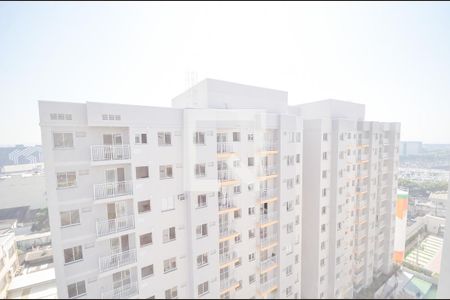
[
  {"x": 225, "y": 202},
  {"x": 117, "y": 260},
  {"x": 267, "y": 263},
  {"x": 124, "y": 292},
  {"x": 265, "y": 286},
  {"x": 225, "y": 175},
  {"x": 114, "y": 225},
  {"x": 269, "y": 146},
  {"x": 268, "y": 194},
  {"x": 269, "y": 217},
  {"x": 227, "y": 257},
  {"x": 110, "y": 152},
  {"x": 228, "y": 282},
  {"x": 267, "y": 170},
  {"x": 268, "y": 240},
  {"x": 113, "y": 189},
  {"x": 224, "y": 147},
  {"x": 225, "y": 230}
]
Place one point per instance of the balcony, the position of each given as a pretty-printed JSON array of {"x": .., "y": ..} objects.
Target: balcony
[
  {"x": 124, "y": 292},
  {"x": 266, "y": 171},
  {"x": 113, "y": 226},
  {"x": 361, "y": 189},
  {"x": 226, "y": 231},
  {"x": 362, "y": 173},
  {"x": 268, "y": 240},
  {"x": 268, "y": 218},
  {"x": 113, "y": 189},
  {"x": 227, "y": 283},
  {"x": 269, "y": 146},
  {"x": 267, "y": 286},
  {"x": 227, "y": 257},
  {"x": 224, "y": 147},
  {"x": 101, "y": 153},
  {"x": 226, "y": 203},
  {"x": 268, "y": 194},
  {"x": 267, "y": 264},
  {"x": 226, "y": 177},
  {"x": 117, "y": 260}
]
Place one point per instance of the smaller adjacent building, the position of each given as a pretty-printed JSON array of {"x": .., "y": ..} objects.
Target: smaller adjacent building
[{"x": 8, "y": 259}]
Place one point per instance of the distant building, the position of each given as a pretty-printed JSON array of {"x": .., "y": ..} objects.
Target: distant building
[
  {"x": 444, "y": 280},
  {"x": 410, "y": 148},
  {"x": 8, "y": 259},
  {"x": 36, "y": 285},
  {"x": 20, "y": 154}
]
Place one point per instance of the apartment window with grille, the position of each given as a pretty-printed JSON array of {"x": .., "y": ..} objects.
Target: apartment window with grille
[
  {"x": 324, "y": 192},
  {"x": 251, "y": 161},
  {"x": 251, "y": 233},
  {"x": 200, "y": 170},
  {"x": 147, "y": 271},
  {"x": 236, "y": 163},
  {"x": 199, "y": 138},
  {"x": 169, "y": 235},
  {"x": 73, "y": 254},
  {"x": 203, "y": 288},
  {"x": 236, "y": 136},
  {"x": 167, "y": 204},
  {"x": 290, "y": 160},
  {"x": 142, "y": 172},
  {"x": 297, "y": 220},
  {"x": 290, "y": 228},
  {"x": 289, "y": 249},
  {"x": 62, "y": 140},
  {"x": 290, "y": 205},
  {"x": 164, "y": 138},
  {"x": 251, "y": 278},
  {"x": 324, "y": 155},
  {"x": 144, "y": 206},
  {"x": 297, "y": 179},
  {"x": 297, "y": 259},
  {"x": 70, "y": 217},
  {"x": 60, "y": 117},
  {"x": 146, "y": 239},
  {"x": 297, "y": 158},
  {"x": 66, "y": 179},
  {"x": 251, "y": 137},
  {"x": 171, "y": 293},
  {"x": 170, "y": 264},
  {"x": 76, "y": 289},
  {"x": 322, "y": 246},
  {"x": 339, "y": 226},
  {"x": 251, "y": 256},
  {"x": 289, "y": 183},
  {"x": 250, "y": 187},
  {"x": 237, "y": 189},
  {"x": 322, "y": 262},
  {"x": 324, "y": 174},
  {"x": 140, "y": 138},
  {"x": 165, "y": 172},
  {"x": 201, "y": 201},
  {"x": 237, "y": 214},
  {"x": 202, "y": 260},
  {"x": 325, "y": 137},
  {"x": 338, "y": 244},
  {"x": 289, "y": 270},
  {"x": 201, "y": 230},
  {"x": 322, "y": 228}
]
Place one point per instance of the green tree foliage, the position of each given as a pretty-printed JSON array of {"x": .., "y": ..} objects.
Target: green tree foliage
[{"x": 41, "y": 222}]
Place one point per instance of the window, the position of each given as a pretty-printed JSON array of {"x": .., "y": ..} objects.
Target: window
[
  {"x": 324, "y": 192},
  {"x": 250, "y": 187},
  {"x": 169, "y": 235},
  {"x": 251, "y": 256},
  {"x": 203, "y": 288},
  {"x": 146, "y": 239},
  {"x": 251, "y": 161},
  {"x": 201, "y": 230},
  {"x": 237, "y": 189},
  {"x": 251, "y": 278},
  {"x": 251, "y": 233},
  {"x": 62, "y": 140},
  {"x": 324, "y": 210},
  {"x": 298, "y": 137},
  {"x": 325, "y": 137},
  {"x": 170, "y": 264},
  {"x": 324, "y": 156},
  {"x": 167, "y": 204},
  {"x": 200, "y": 170},
  {"x": 141, "y": 172},
  {"x": 202, "y": 260},
  {"x": 290, "y": 160},
  {"x": 237, "y": 214},
  {"x": 322, "y": 246},
  {"x": 289, "y": 249},
  {"x": 76, "y": 289},
  {"x": 251, "y": 137},
  {"x": 171, "y": 293},
  {"x": 140, "y": 138},
  {"x": 290, "y": 228},
  {"x": 290, "y": 205},
  {"x": 289, "y": 270},
  {"x": 297, "y": 179},
  {"x": 165, "y": 172},
  {"x": 322, "y": 228},
  {"x": 289, "y": 183},
  {"x": 297, "y": 158},
  {"x": 237, "y": 239},
  {"x": 322, "y": 262},
  {"x": 66, "y": 179},
  {"x": 199, "y": 138},
  {"x": 70, "y": 217},
  {"x": 164, "y": 138},
  {"x": 324, "y": 174},
  {"x": 73, "y": 254},
  {"x": 251, "y": 211},
  {"x": 201, "y": 201},
  {"x": 236, "y": 163},
  {"x": 236, "y": 136},
  {"x": 147, "y": 271},
  {"x": 144, "y": 206}
]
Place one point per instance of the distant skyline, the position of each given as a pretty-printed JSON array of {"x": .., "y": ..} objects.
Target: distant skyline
[{"x": 392, "y": 57}]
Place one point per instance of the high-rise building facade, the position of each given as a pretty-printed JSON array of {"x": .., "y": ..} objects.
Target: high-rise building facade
[
  {"x": 349, "y": 193},
  {"x": 202, "y": 200}
]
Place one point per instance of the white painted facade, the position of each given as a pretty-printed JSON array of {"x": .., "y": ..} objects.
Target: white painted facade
[
  {"x": 349, "y": 194},
  {"x": 444, "y": 278},
  {"x": 232, "y": 198}
]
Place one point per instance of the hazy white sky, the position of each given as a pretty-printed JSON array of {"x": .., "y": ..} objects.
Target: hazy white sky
[{"x": 393, "y": 57}]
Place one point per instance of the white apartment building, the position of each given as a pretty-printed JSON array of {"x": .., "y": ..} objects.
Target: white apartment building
[
  {"x": 349, "y": 193},
  {"x": 202, "y": 200},
  {"x": 8, "y": 260}
]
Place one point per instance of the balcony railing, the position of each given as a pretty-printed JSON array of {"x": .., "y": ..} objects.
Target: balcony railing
[
  {"x": 269, "y": 217},
  {"x": 227, "y": 283},
  {"x": 269, "y": 146},
  {"x": 267, "y": 263},
  {"x": 268, "y": 240},
  {"x": 225, "y": 175},
  {"x": 265, "y": 286},
  {"x": 267, "y": 170},
  {"x": 117, "y": 260},
  {"x": 115, "y": 225},
  {"x": 361, "y": 189},
  {"x": 227, "y": 257},
  {"x": 110, "y": 152},
  {"x": 268, "y": 194},
  {"x": 224, "y": 147},
  {"x": 226, "y": 203},
  {"x": 124, "y": 292},
  {"x": 226, "y": 230},
  {"x": 113, "y": 189}
]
